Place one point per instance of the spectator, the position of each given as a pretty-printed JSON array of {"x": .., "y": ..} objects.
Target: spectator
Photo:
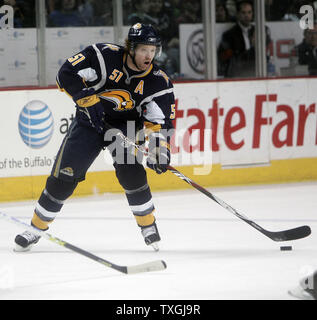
[
  {"x": 304, "y": 48},
  {"x": 66, "y": 14},
  {"x": 162, "y": 18},
  {"x": 307, "y": 51},
  {"x": 50, "y": 5},
  {"x": 231, "y": 7},
  {"x": 96, "y": 12},
  {"x": 174, "y": 7},
  {"x": 222, "y": 13},
  {"x": 86, "y": 11},
  {"x": 141, "y": 13},
  {"x": 128, "y": 8},
  {"x": 190, "y": 12},
  {"x": 236, "y": 52}
]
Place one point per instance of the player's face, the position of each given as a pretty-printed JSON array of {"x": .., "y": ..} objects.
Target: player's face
[{"x": 144, "y": 55}]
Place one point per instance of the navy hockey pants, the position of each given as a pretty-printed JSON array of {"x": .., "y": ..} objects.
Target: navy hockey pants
[{"x": 77, "y": 152}]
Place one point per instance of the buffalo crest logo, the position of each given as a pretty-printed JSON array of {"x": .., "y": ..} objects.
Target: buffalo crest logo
[{"x": 121, "y": 98}]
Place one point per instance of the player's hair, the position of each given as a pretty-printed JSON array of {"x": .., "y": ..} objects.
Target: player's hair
[{"x": 127, "y": 45}]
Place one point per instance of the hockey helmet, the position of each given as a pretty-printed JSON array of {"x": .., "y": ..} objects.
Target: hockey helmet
[{"x": 141, "y": 33}]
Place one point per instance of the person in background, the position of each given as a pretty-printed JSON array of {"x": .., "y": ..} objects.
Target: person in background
[
  {"x": 190, "y": 12},
  {"x": 163, "y": 19},
  {"x": 303, "y": 49},
  {"x": 231, "y": 6},
  {"x": 236, "y": 51},
  {"x": 221, "y": 12},
  {"x": 307, "y": 50},
  {"x": 97, "y": 12},
  {"x": 65, "y": 14},
  {"x": 86, "y": 10},
  {"x": 141, "y": 12},
  {"x": 174, "y": 6}
]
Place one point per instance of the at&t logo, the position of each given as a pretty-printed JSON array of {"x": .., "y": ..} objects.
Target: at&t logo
[{"x": 36, "y": 124}]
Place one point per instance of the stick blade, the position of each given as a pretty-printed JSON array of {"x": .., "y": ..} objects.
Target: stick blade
[
  {"x": 291, "y": 234},
  {"x": 147, "y": 267}
]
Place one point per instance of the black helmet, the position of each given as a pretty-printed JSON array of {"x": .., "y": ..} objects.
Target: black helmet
[{"x": 141, "y": 33}]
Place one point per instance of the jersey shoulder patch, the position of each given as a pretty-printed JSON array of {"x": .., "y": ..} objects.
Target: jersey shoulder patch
[
  {"x": 110, "y": 46},
  {"x": 161, "y": 73}
]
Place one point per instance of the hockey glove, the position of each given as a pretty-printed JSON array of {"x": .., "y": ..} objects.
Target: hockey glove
[
  {"x": 160, "y": 155},
  {"x": 91, "y": 109}
]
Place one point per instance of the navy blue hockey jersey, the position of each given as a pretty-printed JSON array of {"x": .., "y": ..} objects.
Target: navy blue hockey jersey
[{"x": 126, "y": 94}]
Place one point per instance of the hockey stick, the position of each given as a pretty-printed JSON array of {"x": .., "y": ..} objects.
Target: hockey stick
[
  {"x": 144, "y": 267},
  {"x": 284, "y": 235}
]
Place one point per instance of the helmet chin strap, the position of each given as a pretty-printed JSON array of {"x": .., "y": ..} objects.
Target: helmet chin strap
[{"x": 133, "y": 60}]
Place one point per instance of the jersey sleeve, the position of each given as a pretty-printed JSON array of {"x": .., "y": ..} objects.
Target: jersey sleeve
[
  {"x": 82, "y": 72},
  {"x": 159, "y": 111}
]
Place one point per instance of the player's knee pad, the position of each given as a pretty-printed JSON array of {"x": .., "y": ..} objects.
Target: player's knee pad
[
  {"x": 55, "y": 193},
  {"x": 60, "y": 189},
  {"x": 131, "y": 176}
]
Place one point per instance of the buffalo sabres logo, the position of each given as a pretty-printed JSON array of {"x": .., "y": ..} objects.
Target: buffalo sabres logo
[
  {"x": 121, "y": 98},
  {"x": 137, "y": 26}
]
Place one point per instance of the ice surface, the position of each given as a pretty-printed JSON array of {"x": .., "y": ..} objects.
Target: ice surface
[{"x": 210, "y": 253}]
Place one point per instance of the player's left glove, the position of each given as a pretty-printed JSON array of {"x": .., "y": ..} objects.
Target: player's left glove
[{"x": 160, "y": 155}]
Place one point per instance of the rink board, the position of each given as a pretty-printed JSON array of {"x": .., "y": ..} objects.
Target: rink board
[
  {"x": 227, "y": 133},
  {"x": 280, "y": 171}
]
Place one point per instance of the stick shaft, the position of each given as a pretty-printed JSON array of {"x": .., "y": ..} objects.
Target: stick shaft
[
  {"x": 291, "y": 234},
  {"x": 156, "y": 265},
  {"x": 62, "y": 243}
]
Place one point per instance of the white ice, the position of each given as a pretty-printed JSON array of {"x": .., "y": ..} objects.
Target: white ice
[{"x": 210, "y": 253}]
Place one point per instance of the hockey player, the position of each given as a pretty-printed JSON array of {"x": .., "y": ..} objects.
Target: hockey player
[{"x": 114, "y": 85}]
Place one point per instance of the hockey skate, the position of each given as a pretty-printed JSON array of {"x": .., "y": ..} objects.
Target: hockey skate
[
  {"x": 25, "y": 241},
  {"x": 300, "y": 293},
  {"x": 307, "y": 288},
  {"x": 151, "y": 236}
]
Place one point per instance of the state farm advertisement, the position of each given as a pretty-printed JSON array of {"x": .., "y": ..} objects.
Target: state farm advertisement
[
  {"x": 232, "y": 123},
  {"x": 246, "y": 122}
]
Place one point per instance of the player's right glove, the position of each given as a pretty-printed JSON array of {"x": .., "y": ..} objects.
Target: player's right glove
[{"x": 91, "y": 108}]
